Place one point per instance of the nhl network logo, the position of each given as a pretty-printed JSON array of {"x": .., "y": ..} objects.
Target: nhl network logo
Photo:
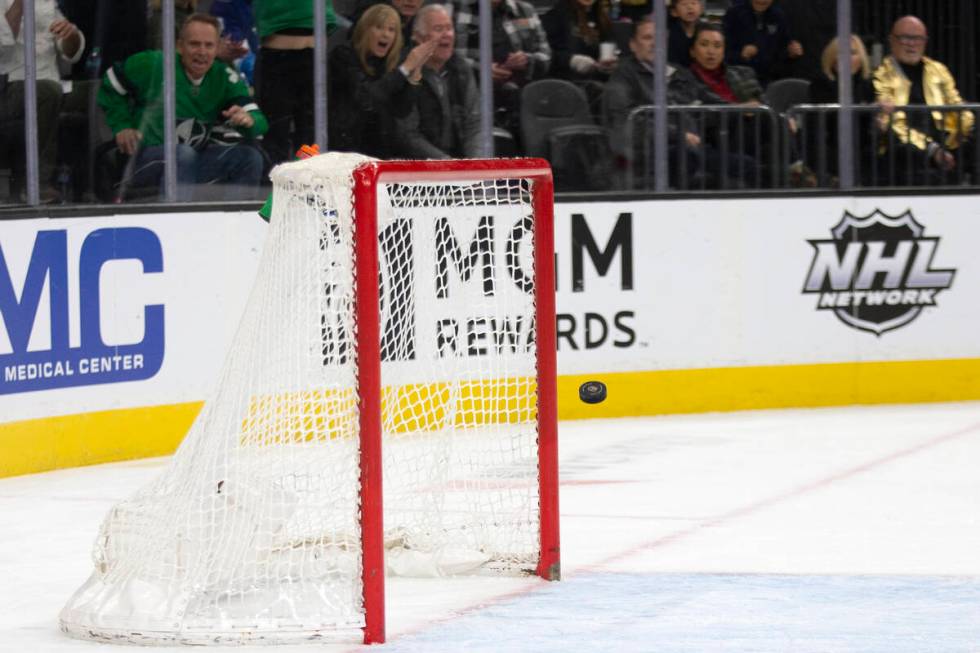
[{"x": 876, "y": 273}]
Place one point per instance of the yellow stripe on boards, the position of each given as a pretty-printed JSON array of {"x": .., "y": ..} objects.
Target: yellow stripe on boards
[
  {"x": 39, "y": 445},
  {"x": 783, "y": 386},
  {"x": 87, "y": 439},
  {"x": 48, "y": 443}
]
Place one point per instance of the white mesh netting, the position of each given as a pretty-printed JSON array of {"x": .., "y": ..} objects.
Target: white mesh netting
[{"x": 252, "y": 532}]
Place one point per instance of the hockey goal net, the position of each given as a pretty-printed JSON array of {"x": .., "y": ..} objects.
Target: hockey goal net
[{"x": 399, "y": 335}]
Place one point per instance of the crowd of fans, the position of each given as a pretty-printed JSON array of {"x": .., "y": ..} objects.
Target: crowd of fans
[{"x": 402, "y": 83}]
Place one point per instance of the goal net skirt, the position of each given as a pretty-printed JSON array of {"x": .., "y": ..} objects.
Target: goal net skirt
[{"x": 389, "y": 396}]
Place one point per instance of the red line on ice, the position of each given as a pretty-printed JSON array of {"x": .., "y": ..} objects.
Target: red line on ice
[{"x": 785, "y": 496}]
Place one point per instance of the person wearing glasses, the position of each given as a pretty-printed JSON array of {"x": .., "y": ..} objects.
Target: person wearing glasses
[
  {"x": 936, "y": 141},
  {"x": 444, "y": 121}
]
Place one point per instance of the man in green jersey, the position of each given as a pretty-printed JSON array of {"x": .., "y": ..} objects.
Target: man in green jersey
[{"x": 211, "y": 99}]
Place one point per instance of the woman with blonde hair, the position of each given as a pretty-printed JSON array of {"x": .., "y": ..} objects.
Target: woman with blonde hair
[
  {"x": 859, "y": 59},
  {"x": 825, "y": 90},
  {"x": 368, "y": 89}
]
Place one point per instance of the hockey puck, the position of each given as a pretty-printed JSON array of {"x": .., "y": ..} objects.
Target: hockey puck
[{"x": 592, "y": 392}]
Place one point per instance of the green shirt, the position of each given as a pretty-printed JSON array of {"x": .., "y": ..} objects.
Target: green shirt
[
  {"x": 132, "y": 96},
  {"x": 273, "y": 16}
]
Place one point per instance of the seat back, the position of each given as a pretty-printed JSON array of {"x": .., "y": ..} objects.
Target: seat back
[
  {"x": 547, "y": 104},
  {"x": 557, "y": 124},
  {"x": 11, "y": 151},
  {"x": 581, "y": 158},
  {"x": 784, "y": 93},
  {"x": 504, "y": 144}
]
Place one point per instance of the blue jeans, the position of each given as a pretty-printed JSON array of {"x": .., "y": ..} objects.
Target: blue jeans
[{"x": 236, "y": 169}]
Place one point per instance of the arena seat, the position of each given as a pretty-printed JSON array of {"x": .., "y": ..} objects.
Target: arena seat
[{"x": 557, "y": 124}]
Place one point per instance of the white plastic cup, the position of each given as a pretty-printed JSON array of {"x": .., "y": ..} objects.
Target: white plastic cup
[{"x": 607, "y": 51}]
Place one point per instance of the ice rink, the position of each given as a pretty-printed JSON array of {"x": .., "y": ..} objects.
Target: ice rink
[{"x": 847, "y": 529}]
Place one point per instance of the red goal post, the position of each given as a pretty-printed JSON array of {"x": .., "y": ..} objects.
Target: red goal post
[{"x": 366, "y": 180}]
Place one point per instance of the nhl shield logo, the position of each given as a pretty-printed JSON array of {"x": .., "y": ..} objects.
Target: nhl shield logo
[{"x": 876, "y": 272}]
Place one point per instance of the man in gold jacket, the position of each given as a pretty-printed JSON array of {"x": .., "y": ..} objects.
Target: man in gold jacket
[{"x": 907, "y": 77}]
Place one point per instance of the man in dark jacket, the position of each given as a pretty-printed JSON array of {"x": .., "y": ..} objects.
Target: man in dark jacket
[
  {"x": 814, "y": 24},
  {"x": 631, "y": 86},
  {"x": 445, "y": 121}
]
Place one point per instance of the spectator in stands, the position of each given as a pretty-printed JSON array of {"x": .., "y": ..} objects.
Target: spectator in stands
[
  {"x": 908, "y": 78},
  {"x": 710, "y": 81},
  {"x": 56, "y": 39},
  {"x": 813, "y": 23},
  {"x": 583, "y": 48},
  {"x": 114, "y": 31},
  {"x": 368, "y": 89},
  {"x": 825, "y": 90},
  {"x": 631, "y": 86},
  {"x": 575, "y": 28},
  {"x": 237, "y": 20},
  {"x": 520, "y": 51},
  {"x": 284, "y": 73},
  {"x": 239, "y": 39},
  {"x": 758, "y": 36},
  {"x": 684, "y": 18},
  {"x": 407, "y": 10},
  {"x": 445, "y": 120},
  {"x": 211, "y": 100},
  {"x": 630, "y": 11},
  {"x": 228, "y": 50}
]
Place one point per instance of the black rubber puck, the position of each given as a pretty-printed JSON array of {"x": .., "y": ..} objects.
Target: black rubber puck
[{"x": 592, "y": 392}]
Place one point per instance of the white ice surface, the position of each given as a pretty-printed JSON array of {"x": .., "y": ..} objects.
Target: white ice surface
[{"x": 852, "y": 529}]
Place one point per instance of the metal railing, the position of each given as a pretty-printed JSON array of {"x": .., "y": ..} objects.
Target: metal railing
[
  {"x": 738, "y": 147},
  {"x": 893, "y": 163},
  {"x": 800, "y": 148},
  {"x": 880, "y": 157}
]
